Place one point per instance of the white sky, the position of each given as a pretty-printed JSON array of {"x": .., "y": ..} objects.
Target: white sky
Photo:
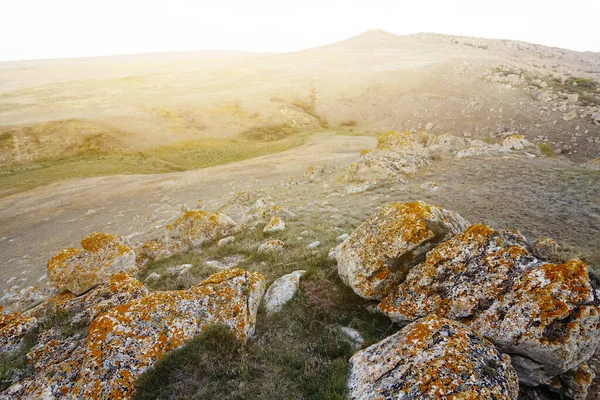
[{"x": 31, "y": 29}]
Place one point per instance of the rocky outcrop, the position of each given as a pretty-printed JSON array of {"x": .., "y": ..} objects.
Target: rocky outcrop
[
  {"x": 547, "y": 318},
  {"x": 103, "y": 256},
  {"x": 460, "y": 277},
  {"x": 573, "y": 384},
  {"x": 123, "y": 342},
  {"x": 281, "y": 291},
  {"x": 396, "y": 153},
  {"x": 432, "y": 358},
  {"x": 381, "y": 251}
]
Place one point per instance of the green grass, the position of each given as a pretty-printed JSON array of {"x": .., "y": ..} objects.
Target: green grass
[
  {"x": 546, "y": 149},
  {"x": 269, "y": 133},
  {"x": 173, "y": 158},
  {"x": 298, "y": 353}
]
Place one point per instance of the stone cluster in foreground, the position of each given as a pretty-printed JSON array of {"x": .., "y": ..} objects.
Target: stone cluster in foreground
[{"x": 545, "y": 316}]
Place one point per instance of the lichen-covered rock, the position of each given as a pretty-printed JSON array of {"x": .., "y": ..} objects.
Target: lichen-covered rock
[
  {"x": 573, "y": 384},
  {"x": 55, "y": 360},
  {"x": 55, "y": 363},
  {"x": 103, "y": 256},
  {"x": 547, "y": 318},
  {"x": 396, "y": 153},
  {"x": 120, "y": 289},
  {"x": 461, "y": 277},
  {"x": 157, "y": 249},
  {"x": 281, "y": 291},
  {"x": 123, "y": 342},
  {"x": 13, "y": 327},
  {"x": 275, "y": 225},
  {"x": 196, "y": 228},
  {"x": 271, "y": 246},
  {"x": 432, "y": 358},
  {"x": 263, "y": 210},
  {"x": 518, "y": 142},
  {"x": 18, "y": 299},
  {"x": 380, "y": 252}
]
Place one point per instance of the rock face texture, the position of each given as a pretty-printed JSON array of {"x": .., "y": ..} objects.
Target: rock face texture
[
  {"x": 461, "y": 276},
  {"x": 281, "y": 291},
  {"x": 126, "y": 340},
  {"x": 381, "y": 251},
  {"x": 432, "y": 358},
  {"x": 130, "y": 329},
  {"x": 547, "y": 317},
  {"x": 103, "y": 256}
]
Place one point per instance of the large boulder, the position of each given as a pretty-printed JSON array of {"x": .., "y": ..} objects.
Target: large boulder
[
  {"x": 381, "y": 251},
  {"x": 432, "y": 358},
  {"x": 103, "y": 256},
  {"x": 461, "y": 277},
  {"x": 123, "y": 342},
  {"x": 55, "y": 360},
  {"x": 547, "y": 318}
]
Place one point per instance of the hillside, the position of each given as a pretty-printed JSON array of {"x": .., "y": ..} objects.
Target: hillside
[{"x": 387, "y": 215}]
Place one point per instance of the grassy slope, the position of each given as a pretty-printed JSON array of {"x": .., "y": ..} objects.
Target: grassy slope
[{"x": 173, "y": 158}]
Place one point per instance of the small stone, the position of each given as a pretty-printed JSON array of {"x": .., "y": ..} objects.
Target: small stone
[
  {"x": 342, "y": 237},
  {"x": 225, "y": 241},
  {"x": 152, "y": 277},
  {"x": 281, "y": 291},
  {"x": 271, "y": 246},
  {"x": 313, "y": 245}
]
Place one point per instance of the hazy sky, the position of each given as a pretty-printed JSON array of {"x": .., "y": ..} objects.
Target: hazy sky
[{"x": 73, "y": 28}]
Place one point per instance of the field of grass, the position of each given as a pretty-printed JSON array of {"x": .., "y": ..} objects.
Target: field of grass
[{"x": 172, "y": 158}]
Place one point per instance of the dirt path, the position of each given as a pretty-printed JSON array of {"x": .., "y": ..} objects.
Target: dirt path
[{"x": 36, "y": 224}]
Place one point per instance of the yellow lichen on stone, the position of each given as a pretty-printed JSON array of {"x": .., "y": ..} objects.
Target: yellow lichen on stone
[
  {"x": 104, "y": 255},
  {"x": 382, "y": 250},
  {"x": 129, "y": 338}
]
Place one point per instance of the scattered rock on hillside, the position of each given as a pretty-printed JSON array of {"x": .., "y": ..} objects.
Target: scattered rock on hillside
[
  {"x": 196, "y": 228},
  {"x": 271, "y": 246},
  {"x": 275, "y": 225},
  {"x": 313, "y": 245},
  {"x": 396, "y": 153},
  {"x": 225, "y": 241},
  {"x": 103, "y": 256},
  {"x": 381, "y": 251},
  {"x": 432, "y": 358},
  {"x": 281, "y": 291},
  {"x": 460, "y": 277},
  {"x": 128, "y": 339},
  {"x": 548, "y": 318},
  {"x": 353, "y": 336}
]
